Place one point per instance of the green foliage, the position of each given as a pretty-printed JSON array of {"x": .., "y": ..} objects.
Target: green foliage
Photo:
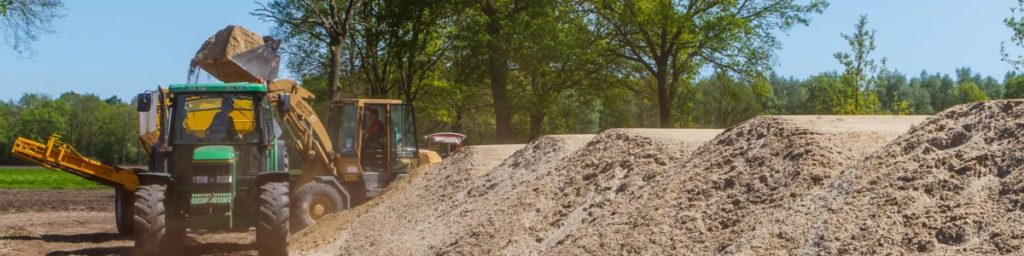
[
  {"x": 22, "y": 22},
  {"x": 789, "y": 96},
  {"x": 102, "y": 128},
  {"x": 585, "y": 66},
  {"x": 1015, "y": 24},
  {"x": 860, "y": 74},
  {"x": 968, "y": 92},
  {"x": 722, "y": 101},
  {"x": 3, "y": 6},
  {"x": 37, "y": 178},
  {"x": 1015, "y": 87},
  {"x": 671, "y": 41}
]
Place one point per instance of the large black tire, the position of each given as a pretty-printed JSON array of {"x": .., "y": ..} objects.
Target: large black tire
[
  {"x": 314, "y": 200},
  {"x": 149, "y": 220},
  {"x": 123, "y": 208},
  {"x": 272, "y": 233}
]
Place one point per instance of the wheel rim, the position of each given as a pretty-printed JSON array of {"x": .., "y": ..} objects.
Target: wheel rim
[{"x": 319, "y": 207}]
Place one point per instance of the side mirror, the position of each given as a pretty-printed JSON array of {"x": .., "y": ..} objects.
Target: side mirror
[
  {"x": 144, "y": 102},
  {"x": 284, "y": 102}
]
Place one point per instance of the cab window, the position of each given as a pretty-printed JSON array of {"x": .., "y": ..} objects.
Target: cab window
[{"x": 215, "y": 118}]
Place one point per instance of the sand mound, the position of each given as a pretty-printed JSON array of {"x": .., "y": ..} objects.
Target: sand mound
[
  {"x": 529, "y": 203},
  {"x": 227, "y": 42},
  {"x": 426, "y": 212},
  {"x": 731, "y": 185},
  {"x": 423, "y": 188},
  {"x": 536, "y": 208},
  {"x": 763, "y": 187},
  {"x": 413, "y": 227},
  {"x": 952, "y": 185}
]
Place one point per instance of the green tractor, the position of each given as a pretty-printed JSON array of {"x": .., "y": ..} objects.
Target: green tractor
[{"x": 218, "y": 164}]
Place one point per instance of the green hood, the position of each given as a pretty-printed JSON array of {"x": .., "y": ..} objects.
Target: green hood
[{"x": 213, "y": 154}]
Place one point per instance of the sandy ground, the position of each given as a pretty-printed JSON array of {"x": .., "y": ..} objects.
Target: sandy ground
[{"x": 81, "y": 222}]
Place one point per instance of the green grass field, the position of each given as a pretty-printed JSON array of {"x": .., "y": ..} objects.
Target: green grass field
[{"x": 25, "y": 178}]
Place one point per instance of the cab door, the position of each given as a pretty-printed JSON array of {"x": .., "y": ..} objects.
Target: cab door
[{"x": 402, "y": 142}]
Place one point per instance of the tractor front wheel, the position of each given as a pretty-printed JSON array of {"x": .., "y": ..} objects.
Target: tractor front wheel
[
  {"x": 150, "y": 220},
  {"x": 272, "y": 232}
]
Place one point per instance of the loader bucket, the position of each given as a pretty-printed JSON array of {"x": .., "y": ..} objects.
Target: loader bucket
[
  {"x": 256, "y": 65},
  {"x": 237, "y": 55}
]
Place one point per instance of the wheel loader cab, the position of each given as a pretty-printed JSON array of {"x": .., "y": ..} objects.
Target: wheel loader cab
[{"x": 375, "y": 141}]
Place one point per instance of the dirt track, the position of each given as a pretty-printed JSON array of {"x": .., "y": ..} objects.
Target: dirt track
[{"x": 81, "y": 222}]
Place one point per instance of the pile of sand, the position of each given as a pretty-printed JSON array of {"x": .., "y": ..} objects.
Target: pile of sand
[
  {"x": 535, "y": 209},
  {"x": 424, "y": 215},
  {"x": 420, "y": 192},
  {"x": 772, "y": 185},
  {"x": 953, "y": 185},
  {"x": 731, "y": 184},
  {"x": 530, "y": 203},
  {"x": 227, "y": 42},
  {"x": 216, "y": 54}
]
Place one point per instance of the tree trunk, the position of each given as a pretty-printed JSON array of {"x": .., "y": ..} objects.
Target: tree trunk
[
  {"x": 497, "y": 66},
  {"x": 664, "y": 99},
  {"x": 334, "y": 64},
  {"x": 536, "y": 121},
  {"x": 457, "y": 124}
]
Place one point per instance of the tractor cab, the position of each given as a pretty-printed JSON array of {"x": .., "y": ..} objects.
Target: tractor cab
[
  {"x": 375, "y": 141},
  {"x": 218, "y": 165}
]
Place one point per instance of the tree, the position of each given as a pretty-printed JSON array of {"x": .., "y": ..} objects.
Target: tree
[
  {"x": 968, "y": 92},
  {"x": 22, "y": 22},
  {"x": 549, "y": 61},
  {"x": 827, "y": 95},
  {"x": 988, "y": 84},
  {"x": 324, "y": 21},
  {"x": 1015, "y": 24},
  {"x": 398, "y": 44},
  {"x": 670, "y": 40},
  {"x": 40, "y": 116},
  {"x": 892, "y": 91},
  {"x": 722, "y": 101},
  {"x": 860, "y": 72},
  {"x": 1014, "y": 87},
  {"x": 500, "y": 17}
]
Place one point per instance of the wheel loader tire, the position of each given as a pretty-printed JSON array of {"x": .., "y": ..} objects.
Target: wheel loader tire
[
  {"x": 272, "y": 232},
  {"x": 315, "y": 200},
  {"x": 150, "y": 220},
  {"x": 123, "y": 208}
]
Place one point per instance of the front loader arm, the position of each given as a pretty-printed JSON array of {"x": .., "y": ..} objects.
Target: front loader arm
[{"x": 309, "y": 136}]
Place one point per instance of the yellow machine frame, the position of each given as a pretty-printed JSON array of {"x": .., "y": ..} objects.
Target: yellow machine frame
[{"x": 58, "y": 156}]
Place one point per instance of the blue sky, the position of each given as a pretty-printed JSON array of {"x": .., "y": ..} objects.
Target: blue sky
[
  {"x": 915, "y": 35},
  {"x": 125, "y": 47},
  {"x": 120, "y": 47}
]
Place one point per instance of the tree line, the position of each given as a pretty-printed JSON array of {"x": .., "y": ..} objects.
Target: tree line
[
  {"x": 106, "y": 129},
  {"x": 507, "y": 71}
]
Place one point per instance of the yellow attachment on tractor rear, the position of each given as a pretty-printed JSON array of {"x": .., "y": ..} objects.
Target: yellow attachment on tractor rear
[{"x": 58, "y": 156}]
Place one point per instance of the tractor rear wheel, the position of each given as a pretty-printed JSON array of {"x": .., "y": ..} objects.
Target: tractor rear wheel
[
  {"x": 272, "y": 232},
  {"x": 149, "y": 220},
  {"x": 123, "y": 206},
  {"x": 314, "y": 200}
]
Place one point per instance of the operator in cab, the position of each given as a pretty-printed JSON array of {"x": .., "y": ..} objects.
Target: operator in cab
[
  {"x": 222, "y": 128},
  {"x": 374, "y": 129}
]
